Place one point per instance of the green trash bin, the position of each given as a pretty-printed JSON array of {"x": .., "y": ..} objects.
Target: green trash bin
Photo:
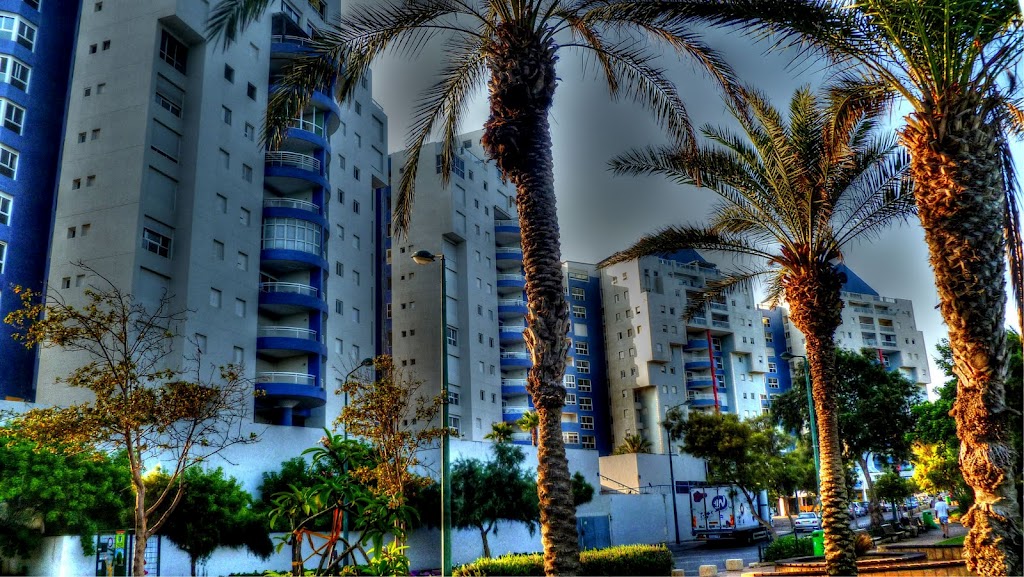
[
  {"x": 928, "y": 520},
  {"x": 818, "y": 542}
]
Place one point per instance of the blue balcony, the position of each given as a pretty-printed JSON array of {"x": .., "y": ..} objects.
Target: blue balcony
[
  {"x": 512, "y": 414},
  {"x": 280, "y": 259},
  {"x": 511, "y": 281},
  {"x": 765, "y": 404},
  {"x": 516, "y": 359},
  {"x": 704, "y": 400},
  {"x": 511, "y": 333},
  {"x": 283, "y": 168},
  {"x": 293, "y": 208},
  {"x": 304, "y": 137},
  {"x": 699, "y": 382},
  {"x": 507, "y": 255},
  {"x": 696, "y": 345},
  {"x": 507, "y": 231},
  {"x": 283, "y": 298},
  {"x": 511, "y": 387},
  {"x": 278, "y": 387},
  {"x": 697, "y": 364},
  {"x": 282, "y": 342},
  {"x": 511, "y": 307}
]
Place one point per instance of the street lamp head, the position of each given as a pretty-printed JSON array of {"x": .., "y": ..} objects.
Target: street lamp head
[
  {"x": 788, "y": 356},
  {"x": 423, "y": 257},
  {"x": 367, "y": 362}
]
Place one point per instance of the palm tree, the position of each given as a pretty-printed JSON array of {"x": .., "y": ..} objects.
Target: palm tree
[
  {"x": 500, "y": 432},
  {"x": 512, "y": 46},
  {"x": 633, "y": 444},
  {"x": 794, "y": 192},
  {"x": 530, "y": 422},
  {"x": 953, "y": 62}
]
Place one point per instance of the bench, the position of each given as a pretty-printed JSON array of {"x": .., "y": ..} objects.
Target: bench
[
  {"x": 893, "y": 533},
  {"x": 877, "y": 536}
]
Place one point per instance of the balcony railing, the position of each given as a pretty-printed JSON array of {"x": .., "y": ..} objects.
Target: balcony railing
[
  {"x": 291, "y": 203},
  {"x": 292, "y": 159},
  {"x": 698, "y": 321},
  {"x": 518, "y": 277},
  {"x": 285, "y": 243},
  {"x": 867, "y": 310},
  {"x": 867, "y": 326},
  {"x": 514, "y": 410},
  {"x": 515, "y": 355},
  {"x": 506, "y": 222},
  {"x": 507, "y": 250},
  {"x": 288, "y": 332},
  {"x": 887, "y": 329},
  {"x": 705, "y": 397},
  {"x": 309, "y": 126},
  {"x": 286, "y": 377},
  {"x": 719, "y": 306},
  {"x": 513, "y": 382},
  {"x": 291, "y": 39},
  {"x": 512, "y": 328},
  {"x": 870, "y": 342},
  {"x": 720, "y": 324},
  {"x": 511, "y": 303},
  {"x": 289, "y": 288}
]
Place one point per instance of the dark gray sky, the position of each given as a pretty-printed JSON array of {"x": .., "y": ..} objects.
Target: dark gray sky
[{"x": 600, "y": 213}]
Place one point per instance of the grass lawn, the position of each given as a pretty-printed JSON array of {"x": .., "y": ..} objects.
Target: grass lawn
[{"x": 952, "y": 541}]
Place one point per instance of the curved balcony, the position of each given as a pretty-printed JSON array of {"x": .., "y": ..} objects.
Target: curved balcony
[
  {"x": 511, "y": 307},
  {"x": 285, "y": 386},
  {"x": 705, "y": 400},
  {"x": 511, "y": 281},
  {"x": 696, "y": 345},
  {"x": 292, "y": 171},
  {"x": 697, "y": 364},
  {"x": 507, "y": 231},
  {"x": 506, "y": 255},
  {"x": 284, "y": 298},
  {"x": 294, "y": 208},
  {"x": 281, "y": 342},
  {"x": 513, "y": 413},
  {"x": 516, "y": 359},
  {"x": 511, "y": 333},
  {"x": 291, "y": 244},
  {"x": 305, "y": 140},
  {"x": 513, "y": 386},
  {"x": 289, "y": 45},
  {"x": 699, "y": 382}
]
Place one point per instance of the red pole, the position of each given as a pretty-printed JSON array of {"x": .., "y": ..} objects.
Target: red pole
[{"x": 714, "y": 377}]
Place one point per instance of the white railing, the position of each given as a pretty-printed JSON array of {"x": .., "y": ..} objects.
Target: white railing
[
  {"x": 511, "y": 303},
  {"x": 696, "y": 359},
  {"x": 285, "y": 243},
  {"x": 301, "y": 40},
  {"x": 293, "y": 159},
  {"x": 507, "y": 250},
  {"x": 512, "y": 328},
  {"x": 289, "y": 332},
  {"x": 705, "y": 397},
  {"x": 515, "y": 355},
  {"x": 308, "y": 126},
  {"x": 887, "y": 329},
  {"x": 867, "y": 326},
  {"x": 719, "y": 306},
  {"x": 513, "y": 382},
  {"x": 291, "y": 203},
  {"x": 514, "y": 410},
  {"x": 506, "y": 222},
  {"x": 870, "y": 342},
  {"x": 720, "y": 324},
  {"x": 290, "y": 288},
  {"x": 286, "y": 377},
  {"x": 518, "y": 277},
  {"x": 864, "y": 310}
]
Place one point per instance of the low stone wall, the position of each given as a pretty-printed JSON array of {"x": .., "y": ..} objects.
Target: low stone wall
[
  {"x": 932, "y": 552},
  {"x": 887, "y": 563}
]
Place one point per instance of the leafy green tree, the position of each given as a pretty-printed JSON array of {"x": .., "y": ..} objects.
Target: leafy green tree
[
  {"x": 582, "y": 490},
  {"x": 955, "y": 64},
  {"x": 141, "y": 399},
  {"x": 892, "y": 488},
  {"x": 214, "y": 512},
  {"x": 875, "y": 412},
  {"x": 52, "y": 493},
  {"x": 512, "y": 47},
  {"x": 500, "y": 432},
  {"x": 529, "y": 423},
  {"x": 795, "y": 190},
  {"x": 633, "y": 444}
]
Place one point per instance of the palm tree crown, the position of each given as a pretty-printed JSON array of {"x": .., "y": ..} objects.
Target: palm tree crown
[{"x": 793, "y": 193}]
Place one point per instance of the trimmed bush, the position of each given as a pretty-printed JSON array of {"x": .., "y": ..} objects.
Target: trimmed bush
[
  {"x": 788, "y": 547},
  {"x": 621, "y": 560}
]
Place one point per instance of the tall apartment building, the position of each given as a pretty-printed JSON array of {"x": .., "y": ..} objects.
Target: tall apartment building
[
  {"x": 885, "y": 325},
  {"x": 656, "y": 361},
  {"x": 474, "y": 224},
  {"x": 36, "y": 39},
  {"x": 164, "y": 187}
]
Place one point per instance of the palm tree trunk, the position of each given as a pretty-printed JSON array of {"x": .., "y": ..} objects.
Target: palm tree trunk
[
  {"x": 816, "y": 309},
  {"x": 956, "y": 165},
  {"x": 517, "y": 137},
  {"x": 874, "y": 509}
]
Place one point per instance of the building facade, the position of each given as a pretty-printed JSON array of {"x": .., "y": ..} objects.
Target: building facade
[
  {"x": 36, "y": 46},
  {"x": 172, "y": 193}
]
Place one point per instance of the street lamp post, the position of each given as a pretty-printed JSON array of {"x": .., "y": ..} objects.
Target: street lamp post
[
  {"x": 672, "y": 475},
  {"x": 367, "y": 362},
  {"x": 426, "y": 257},
  {"x": 787, "y": 356}
]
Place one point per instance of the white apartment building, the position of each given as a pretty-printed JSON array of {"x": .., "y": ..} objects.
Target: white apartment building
[
  {"x": 271, "y": 251},
  {"x": 657, "y": 361}
]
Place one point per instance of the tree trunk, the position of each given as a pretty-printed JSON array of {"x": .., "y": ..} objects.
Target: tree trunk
[
  {"x": 297, "y": 568},
  {"x": 956, "y": 165},
  {"x": 813, "y": 293},
  {"x": 874, "y": 509},
  {"x": 755, "y": 511},
  {"x": 139, "y": 547},
  {"x": 192, "y": 565},
  {"x": 517, "y": 137},
  {"x": 483, "y": 538}
]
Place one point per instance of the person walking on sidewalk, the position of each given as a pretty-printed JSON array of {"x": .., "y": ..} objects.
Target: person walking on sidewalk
[{"x": 942, "y": 512}]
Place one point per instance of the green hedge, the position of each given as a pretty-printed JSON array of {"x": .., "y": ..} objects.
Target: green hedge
[
  {"x": 788, "y": 547},
  {"x": 621, "y": 560}
]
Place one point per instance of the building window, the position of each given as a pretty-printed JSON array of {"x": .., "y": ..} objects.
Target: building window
[
  {"x": 173, "y": 51},
  {"x": 453, "y": 336},
  {"x": 579, "y": 311},
  {"x": 250, "y": 132},
  {"x": 355, "y": 172},
  {"x": 586, "y": 423},
  {"x": 570, "y": 438},
  {"x": 3, "y": 256},
  {"x": 250, "y": 91},
  {"x": 586, "y": 404},
  {"x": 589, "y": 442},
  {"x": 14, "y": 28},
  {"x": 455, "y": 423},
  {"x": 582, "y": 367},
  {"x": 339, "y": 306},
  {"x": 582, "y": 348},
  {"x": 215, "y": 298},
  {"x": 225, "y": 114},
  {"x": 34, "y": 4},
  {"x": 14, "y": 116},
  {"x": 246, "y": 173},
  {"x": 106, "y": 44},
  {"x": 5, "y": 209},
  {"x": 16, "y": 73},
  {"x": 168, "y": 96},
  {"x": 772, "y": 368},
  {"x": 229, "y": 73},
  {"x": 243, "y": 261},
  {"x": 240, "y": 308},
  {"x": 584, "y": 385},
  {"x": 577, "y": 293},
  {"x": 453, "y": 398},
  {"x": 773, "y": 382},
  {"x": 156, "y": 243},
  {"x": 8, "y": 161},
  {"x": 218, "y": 250},
  {"x": 570, "y": 399}
]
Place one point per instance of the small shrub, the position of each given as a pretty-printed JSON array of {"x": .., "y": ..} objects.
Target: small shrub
[
  {"x": 788, "y": 547},
  {"x": 621, "y": 560},
  {"x": 862, "y": 543}
]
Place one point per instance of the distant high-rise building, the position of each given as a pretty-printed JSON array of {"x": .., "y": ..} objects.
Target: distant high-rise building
[
  {"x": 165, "y": 188},
  {"x": 36, "y": 47}
]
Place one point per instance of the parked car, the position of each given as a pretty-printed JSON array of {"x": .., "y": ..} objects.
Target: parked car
[
  {"x": 806, "y": 522},
  {"x": 858, "y": 509}
]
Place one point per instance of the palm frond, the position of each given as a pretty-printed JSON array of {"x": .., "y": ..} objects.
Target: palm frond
[
  {"x": 716, "y": 289},
  {"x": 673, "y": 238},
  {"x": 307, "y": 74},
  {"x": 1012, "y": 231},
  {"x": 229, "y": 17}
]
